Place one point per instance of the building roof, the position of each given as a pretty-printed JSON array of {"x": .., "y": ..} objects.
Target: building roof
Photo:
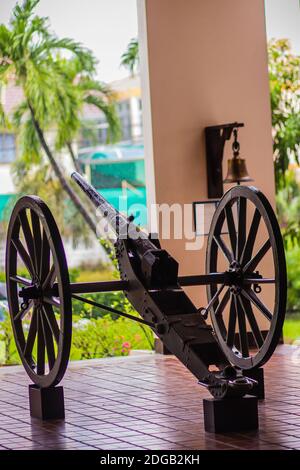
[{"x": 127, "y": 87}]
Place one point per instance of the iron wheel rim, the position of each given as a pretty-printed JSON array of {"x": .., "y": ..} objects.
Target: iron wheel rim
[
  {"x": 51, "y": 236},
  {"x": 269, "y": 219}
]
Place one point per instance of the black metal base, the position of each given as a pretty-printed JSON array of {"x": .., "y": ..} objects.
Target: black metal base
[
  {"x": 258, "y": 375},
  {"x": 230, "y": 415},
  {"x": 46, "y": 403}
]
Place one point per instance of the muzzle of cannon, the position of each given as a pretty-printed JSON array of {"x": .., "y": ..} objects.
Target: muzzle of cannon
[{"x": 241, "y": 289}]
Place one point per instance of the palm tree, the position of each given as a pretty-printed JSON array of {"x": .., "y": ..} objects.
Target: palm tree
[
  {"x": 28, "y": 55},
  {"x": 130, "y": 58},
  {"x": 89, "y": 92}
]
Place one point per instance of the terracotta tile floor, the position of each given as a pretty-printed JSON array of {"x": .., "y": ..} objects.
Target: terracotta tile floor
[{"x": 145, "y": 402}]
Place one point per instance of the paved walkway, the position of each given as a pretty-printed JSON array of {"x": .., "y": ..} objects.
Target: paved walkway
[{"x": 145, "y": 402}]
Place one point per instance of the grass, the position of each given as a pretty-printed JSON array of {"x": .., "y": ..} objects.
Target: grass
[
  {"x": 2, "y": 350},
  {"x": 291, "y": 328},
  {"x": 105, "y": 274}
]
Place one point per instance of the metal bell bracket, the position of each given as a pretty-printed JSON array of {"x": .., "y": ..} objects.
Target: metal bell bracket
[{"x": 215, "y": 138}]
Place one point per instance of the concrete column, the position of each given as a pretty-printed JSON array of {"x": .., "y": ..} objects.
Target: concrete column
[{"x": 202, "y": 63}]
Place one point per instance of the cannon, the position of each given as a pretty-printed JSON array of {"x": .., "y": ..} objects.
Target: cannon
[{"x": 241, "y": 290}]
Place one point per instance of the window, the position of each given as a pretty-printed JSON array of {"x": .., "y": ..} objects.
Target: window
[
  {"x": 7, "y": 148},
  {"x": 123, "y": 107}
]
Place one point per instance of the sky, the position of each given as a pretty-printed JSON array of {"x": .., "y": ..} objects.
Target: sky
[
  {"x": 283, "y": 21},
  {"x": 106, "y": 26}
]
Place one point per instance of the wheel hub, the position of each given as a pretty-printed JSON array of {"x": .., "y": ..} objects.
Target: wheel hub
[
  {"x": 235, "y": 277},
  {"x": 235, "y": 267},
  {"x": 34, "y": 292}
]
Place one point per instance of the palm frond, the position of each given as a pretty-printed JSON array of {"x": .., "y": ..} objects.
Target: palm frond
[
  {"x": 89, "y": 84},
  {"x": 5, "y": 38},
  {"x": 3, "y": 117},
  {"x": 19, "y": 113},
  {"x": 108, "y": 108},
  {"x": 52, "y": 44},
  {"x": 29, "y": 144},
  {"x": 130, "y": 58}
]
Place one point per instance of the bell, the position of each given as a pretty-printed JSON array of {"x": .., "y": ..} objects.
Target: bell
[{"x": 237, "y": 171}]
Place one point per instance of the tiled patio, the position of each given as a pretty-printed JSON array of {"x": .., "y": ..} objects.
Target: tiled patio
[{"x": 145, "y": 402}]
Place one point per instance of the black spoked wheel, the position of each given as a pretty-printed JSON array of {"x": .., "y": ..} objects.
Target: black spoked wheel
[
  {"x": 38, "y": 291},
  {"x": 248, "y": 310}
]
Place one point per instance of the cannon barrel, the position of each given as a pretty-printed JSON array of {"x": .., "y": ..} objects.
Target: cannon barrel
[
  {"x": 157, "y": 266},
  {"x": 117, "y": 220},
  {"x": 120, "y": 224}
]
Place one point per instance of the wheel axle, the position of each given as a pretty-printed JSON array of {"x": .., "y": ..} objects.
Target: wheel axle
[
  {"x": 31, "y": 293},
  {"x": 232, "y": 278}
]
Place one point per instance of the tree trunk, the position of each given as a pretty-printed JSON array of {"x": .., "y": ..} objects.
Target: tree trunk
[{"x": 74, "y": 159}]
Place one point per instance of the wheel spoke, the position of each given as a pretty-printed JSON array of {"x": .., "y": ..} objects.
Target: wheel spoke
[
  {"x": 220, "y": 308},
  {"x": 231, "y": 227},
  {"x": 52, "y": 301},
  {"x": 37, "y": 239},
  {"x": 231, "y": 324},
  {"x": 242, "y": 329},
  {"x": 21, "y": 280},
  {"x": 50, "y": 317},
  {"x": 48, "y": 340},
  {"x": 251, "y": 265},
  {"x": 31, "y": 335},
  {"x": 252, "y": 297},
  {"x": 242, "y": 224},
  {"x": 215, "y": 297},
  {"x": 40, "y": 346},
  {"x": 24, "y": 255},
  {"x": 226, "y": 252},
  {"x": 50, "y": 278},
  {"x": 246, "y": 306},
  {"x": 21, "y": 314},
  {"x": 247, "y": 252},
  {"x": 45, "y": 259},
  {"x": 27, "y": 234}
]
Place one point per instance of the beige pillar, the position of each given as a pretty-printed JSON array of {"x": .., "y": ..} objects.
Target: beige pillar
[{"x": 204, "y": 62}]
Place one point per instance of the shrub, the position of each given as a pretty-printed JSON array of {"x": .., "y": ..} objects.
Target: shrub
[
  {"x": 9, "y": 354},
  {"x": 92, "y": 338},
  {"x": 104, "y": 337}
]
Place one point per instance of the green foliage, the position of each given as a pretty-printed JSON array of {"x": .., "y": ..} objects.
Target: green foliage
[
  {"x": 130, "y": 58},
  {"x": 9, "y": 352},
  {"x": 293, "y": 268},
  {"x": 284, "y": 76},
  {"x": 291, "y": 329},
  {"x": 41, "y": 181},
  {"x": 288, "y": 209},
  {"x": 102, "y": 337},
  {"x": 92, "y": 338}
]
